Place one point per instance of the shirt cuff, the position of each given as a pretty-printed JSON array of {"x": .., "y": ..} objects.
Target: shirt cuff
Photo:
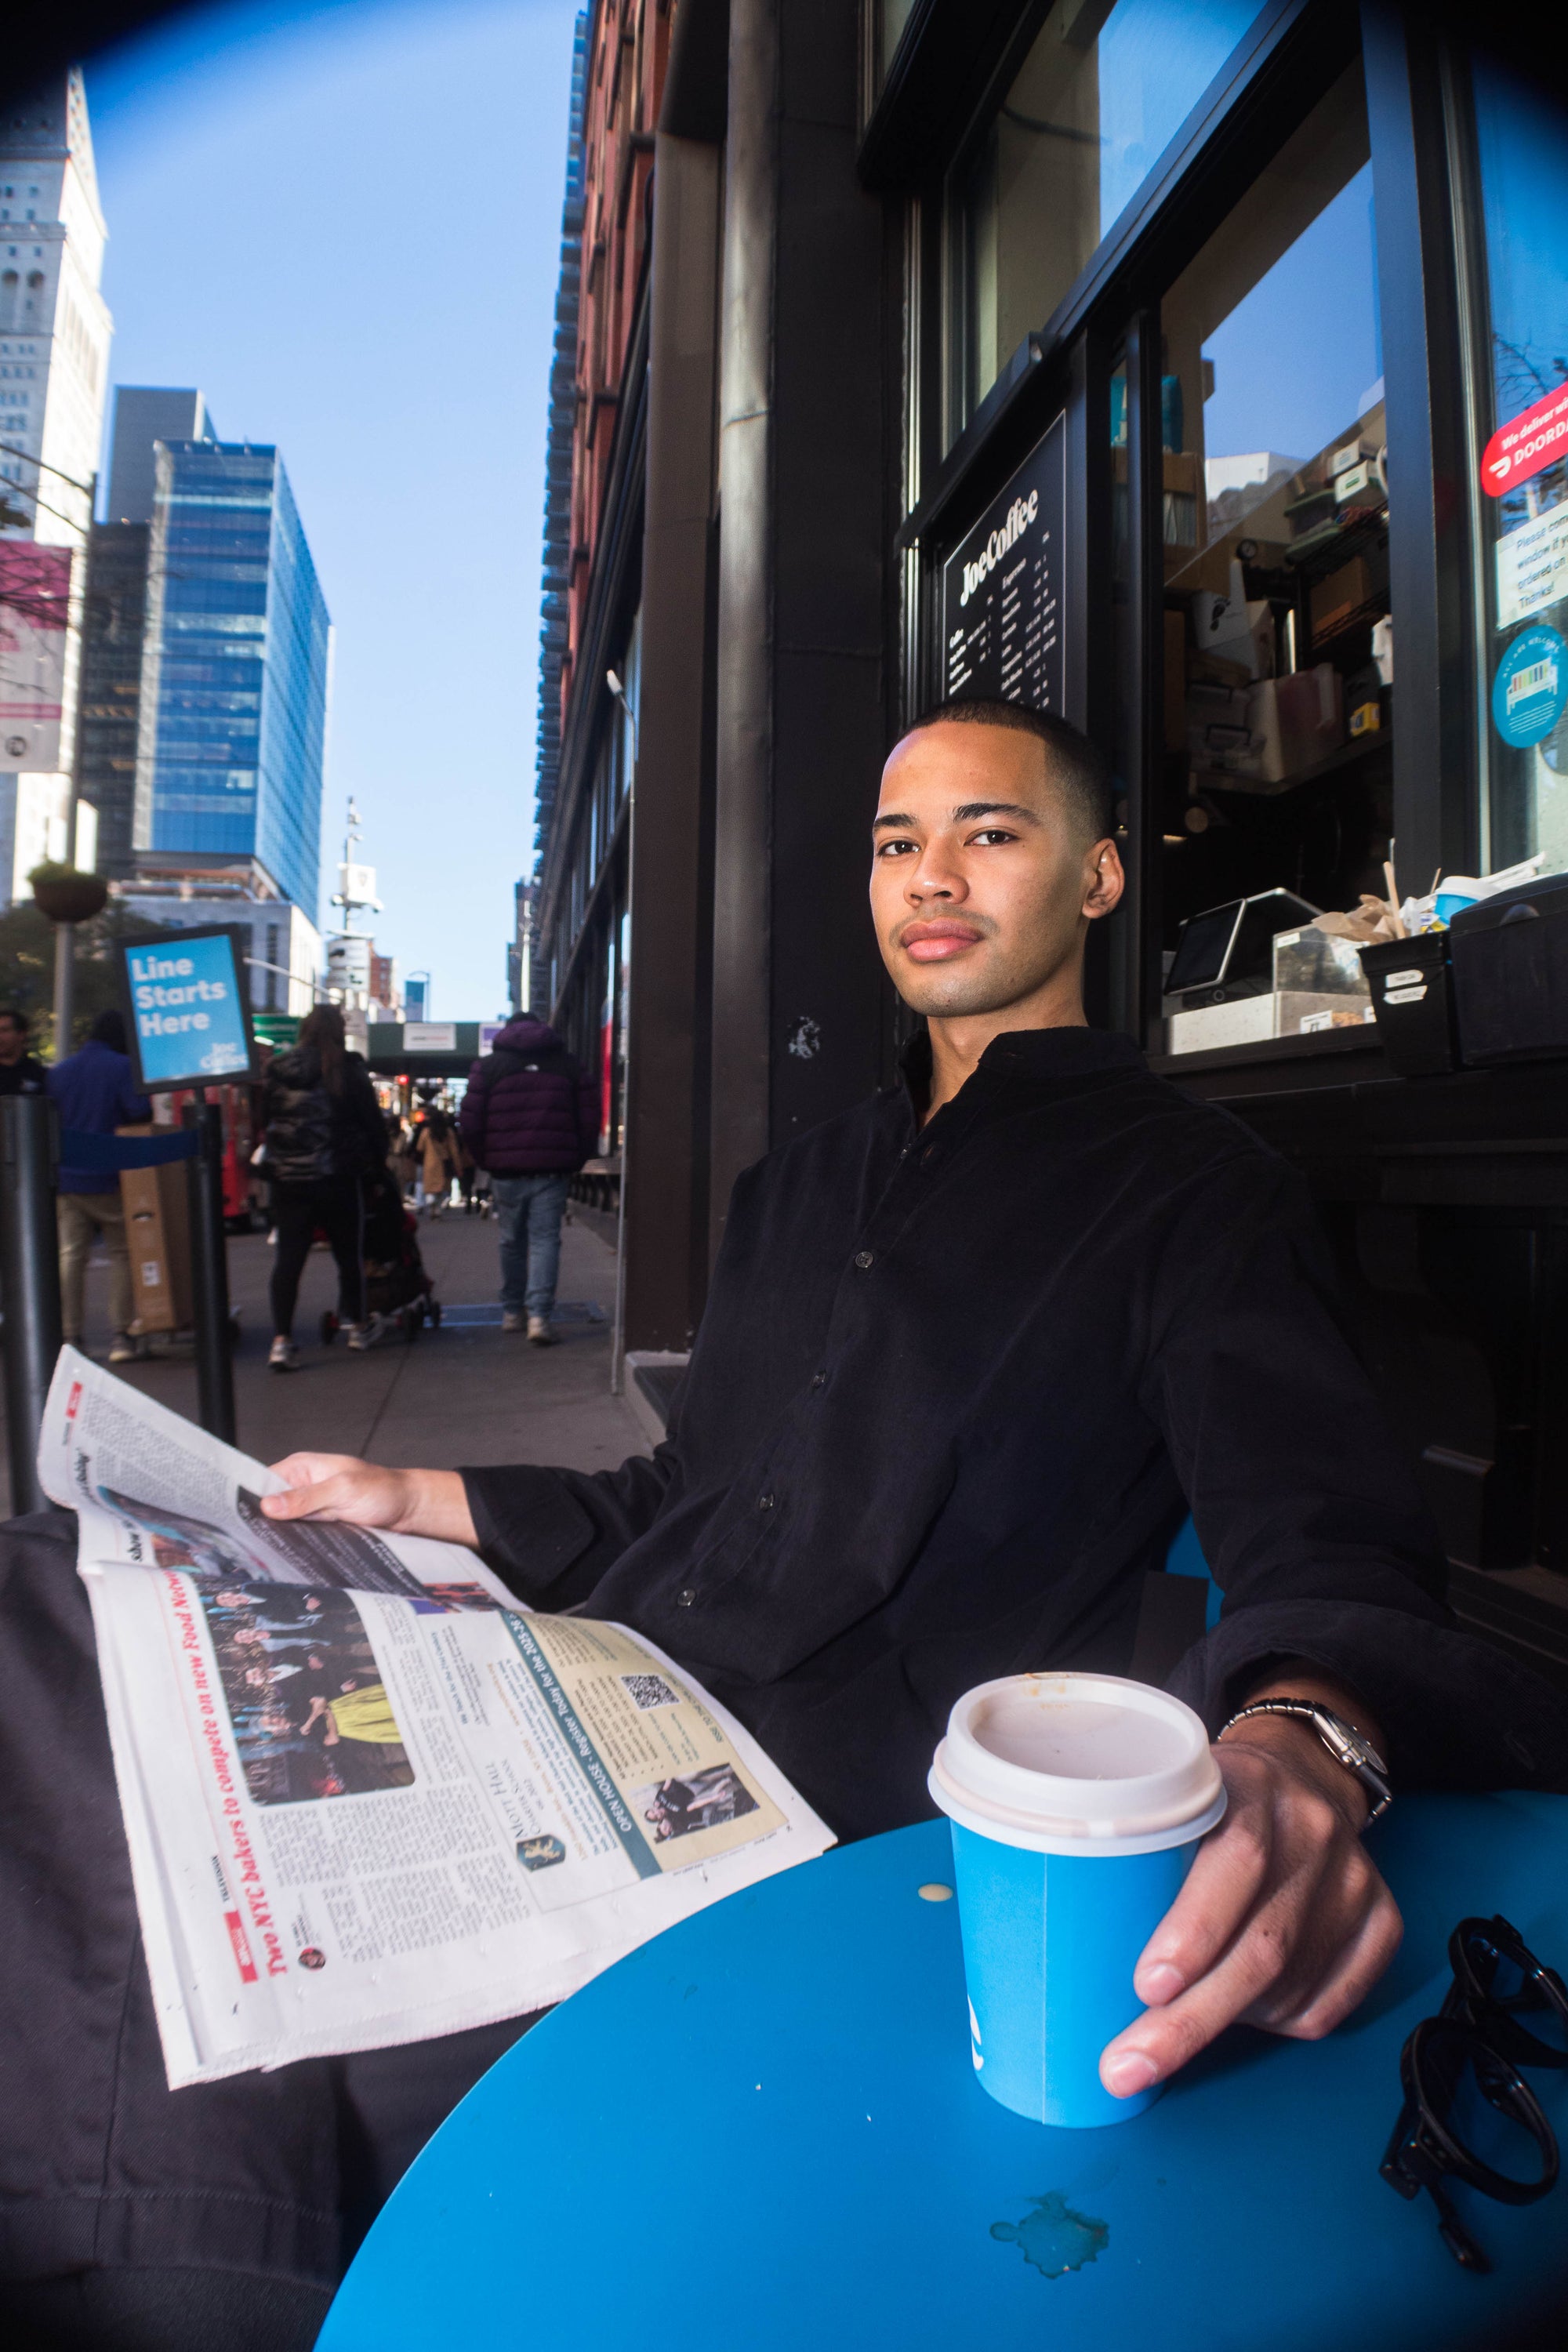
[
  {"x": 530, "y": 1527},
  {"x": 1455, "y": 1711}
]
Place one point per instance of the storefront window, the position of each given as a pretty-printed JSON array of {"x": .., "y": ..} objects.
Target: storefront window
[
  {"x": 1521, "y": 145},
  {"x": 1277, "y": 763},
  {"x": 890, "y": 17},
  {"x": 1098, "y": 98}
]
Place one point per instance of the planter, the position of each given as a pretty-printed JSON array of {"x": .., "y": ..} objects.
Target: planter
[{"x": 71, "y": 897}]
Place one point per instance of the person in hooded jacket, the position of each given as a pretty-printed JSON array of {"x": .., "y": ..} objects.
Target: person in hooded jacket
[
  {"x": 325, "y": 1135},
  {"x": 530, "y": 1116}
]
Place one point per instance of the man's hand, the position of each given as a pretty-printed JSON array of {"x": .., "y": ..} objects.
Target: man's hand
[
  {"x": 400, "y": 1502},
  {"x": 1283, "y": 1922}
]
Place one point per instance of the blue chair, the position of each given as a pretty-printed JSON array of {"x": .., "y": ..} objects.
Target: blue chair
[
  {"x": 1185, "y": 1559},
  {"x": 1175, "y": 1609}
]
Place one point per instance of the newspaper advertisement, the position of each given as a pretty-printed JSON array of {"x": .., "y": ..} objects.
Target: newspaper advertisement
[{"x": 369, "y": 1797}]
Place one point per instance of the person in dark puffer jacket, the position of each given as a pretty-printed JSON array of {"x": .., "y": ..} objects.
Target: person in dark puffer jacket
[{"x": 530, "y": 1116}]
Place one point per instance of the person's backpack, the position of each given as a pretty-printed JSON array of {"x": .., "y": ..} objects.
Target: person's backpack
[{"x": 299, "y": 1127}]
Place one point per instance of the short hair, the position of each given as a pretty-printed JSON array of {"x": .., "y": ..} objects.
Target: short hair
[
  {"x": 16, "y": 1017},
  {"x": 1077, "y": 764},
  {"x": 108, "y": 1029}
]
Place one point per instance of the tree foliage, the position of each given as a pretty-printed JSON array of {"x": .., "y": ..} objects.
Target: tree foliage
[{"x": 28, "y": 966}]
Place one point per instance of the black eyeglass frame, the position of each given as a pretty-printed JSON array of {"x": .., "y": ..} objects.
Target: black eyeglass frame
[{"x": 1423, "y": 2151}]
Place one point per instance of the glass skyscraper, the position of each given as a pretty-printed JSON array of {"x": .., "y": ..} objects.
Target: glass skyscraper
[{"x": 234, "y": 668}]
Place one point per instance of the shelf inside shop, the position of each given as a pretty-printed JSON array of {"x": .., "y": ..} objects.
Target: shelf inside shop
[{"x": 1349, "y": 755}]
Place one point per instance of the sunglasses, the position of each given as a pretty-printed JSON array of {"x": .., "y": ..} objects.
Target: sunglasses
[{"x": 1468, "y": 2113}]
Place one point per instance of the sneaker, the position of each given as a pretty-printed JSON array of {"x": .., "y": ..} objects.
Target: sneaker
[
  {"x": 285, "y": 1356},
  {"x": 512, "y": 1321},
  {"x": 359, "y": 1336},
  {"x": 540, "y": 1332},
  {"x": 123, "y": 1348}
]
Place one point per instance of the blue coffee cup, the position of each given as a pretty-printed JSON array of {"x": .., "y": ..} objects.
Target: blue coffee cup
[{"x": 1076, "y": 1802}]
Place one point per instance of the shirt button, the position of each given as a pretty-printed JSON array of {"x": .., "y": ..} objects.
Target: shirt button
[
  {"x": 764, "y": 1502},
  {"x": 684, "y": 1600},
  {"x": 862, "y": 1259},
  {"x": 820, "y": 1380}
]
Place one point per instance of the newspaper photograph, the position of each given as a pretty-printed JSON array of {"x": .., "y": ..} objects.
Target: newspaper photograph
[{"x": 370, "y": 1797}]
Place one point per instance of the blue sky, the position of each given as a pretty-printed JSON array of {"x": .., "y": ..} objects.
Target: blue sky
[{"x": 342, "y": 224}]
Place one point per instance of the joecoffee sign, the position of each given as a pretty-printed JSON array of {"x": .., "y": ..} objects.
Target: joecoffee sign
[{"x": 1527, "y": 444}]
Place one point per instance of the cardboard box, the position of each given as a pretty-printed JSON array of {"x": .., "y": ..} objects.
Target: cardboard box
[
  {"x": 1295, "y": 721},
  {"x": 158, "y": 1235},
  {"x": 1341, "y": 595}
]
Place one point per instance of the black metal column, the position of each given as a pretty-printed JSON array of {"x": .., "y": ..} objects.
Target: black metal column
[
  {"x": 209, "y": 1275},
  {"x": 29, "y": 1281}
]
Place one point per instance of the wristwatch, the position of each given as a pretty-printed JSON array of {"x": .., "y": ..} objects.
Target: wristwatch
[{"x": 1344, "y": 1743}]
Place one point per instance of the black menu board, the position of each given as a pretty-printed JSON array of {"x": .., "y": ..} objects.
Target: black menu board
[{"x": 1002, "y": 586}]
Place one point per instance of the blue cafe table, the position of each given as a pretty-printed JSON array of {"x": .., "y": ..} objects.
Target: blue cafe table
[{"x": 763, "y": 2132}]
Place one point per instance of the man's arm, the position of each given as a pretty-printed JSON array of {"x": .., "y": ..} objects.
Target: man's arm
[
  {"x": 1310, "y": 1523},
  {"x": 471, "y": 1114},
  {"x": 550, "y": 1534}
]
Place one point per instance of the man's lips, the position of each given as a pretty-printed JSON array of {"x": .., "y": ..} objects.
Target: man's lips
[{"x": 935, "y": 942}]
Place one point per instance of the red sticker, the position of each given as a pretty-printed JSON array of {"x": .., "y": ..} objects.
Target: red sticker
[{"x": 1528, "y": 444}]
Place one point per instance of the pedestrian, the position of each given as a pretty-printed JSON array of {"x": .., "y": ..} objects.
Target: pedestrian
[
  {"x": 21, "y": 1072},
  {"x": 93, "y": 1092},
  {"x": 530, "y": 1116},
  {"x": 401, "y": 1158},
  {"x": 325, "y": 1135},
  {"x": 437, "y": 1158}
]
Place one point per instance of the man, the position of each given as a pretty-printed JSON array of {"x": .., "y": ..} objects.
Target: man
[
  {"x": 970, "y": 1350},
  {"x": 94, "y": 1094},
  {"x": 21, "y": 1073},
  {"x": 530, "y": 1116}
]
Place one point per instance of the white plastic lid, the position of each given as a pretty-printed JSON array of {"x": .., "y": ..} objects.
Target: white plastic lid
[{"x": 1077, "y": 1764}]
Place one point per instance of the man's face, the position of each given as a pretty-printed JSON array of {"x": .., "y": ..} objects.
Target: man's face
[
  {"x": 12, "y": 1041},
  {"x": 982, "y": 881}
]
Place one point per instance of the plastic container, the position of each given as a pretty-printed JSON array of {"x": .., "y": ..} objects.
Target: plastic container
[
  {"x": 1510, "y": 958},
  {"x": 1076, "y": 1802},
  {"x": 1413, "y": 999}
]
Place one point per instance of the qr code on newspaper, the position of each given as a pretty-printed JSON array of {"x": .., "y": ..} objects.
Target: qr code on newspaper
[{"x": 650, "y": 1690}]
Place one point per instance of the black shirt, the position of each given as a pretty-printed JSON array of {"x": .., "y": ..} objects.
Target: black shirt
[
  {"x": 955, "y": 1387},
  {"x": 26, "y": 1076}
]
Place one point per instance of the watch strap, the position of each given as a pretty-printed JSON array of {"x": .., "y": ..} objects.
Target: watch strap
[{"x": 1341, "y": 1741}]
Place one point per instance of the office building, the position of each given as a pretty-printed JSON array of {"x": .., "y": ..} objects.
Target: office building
[
  {"x": 235, "y": 669},
  {"x": 55, "y": 332},
  {"x": 115, "y": 610}
]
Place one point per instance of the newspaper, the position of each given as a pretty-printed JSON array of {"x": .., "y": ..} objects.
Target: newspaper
[{"x": 369, "y": 1797}]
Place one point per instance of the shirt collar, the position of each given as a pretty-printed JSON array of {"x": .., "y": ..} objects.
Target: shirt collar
[{"x": 1043, "y": 1058}]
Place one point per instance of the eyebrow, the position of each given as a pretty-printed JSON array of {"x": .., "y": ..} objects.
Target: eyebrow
[{"x": 965, "y": 814}]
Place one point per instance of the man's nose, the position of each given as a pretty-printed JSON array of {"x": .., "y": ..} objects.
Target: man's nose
[{"x": 935, "y": 877}]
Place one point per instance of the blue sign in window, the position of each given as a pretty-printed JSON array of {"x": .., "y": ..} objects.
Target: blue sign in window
[{"x": 189, "y": 1009}]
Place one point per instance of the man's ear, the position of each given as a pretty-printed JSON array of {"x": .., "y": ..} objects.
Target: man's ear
[{"x": 1105, "y": 878}]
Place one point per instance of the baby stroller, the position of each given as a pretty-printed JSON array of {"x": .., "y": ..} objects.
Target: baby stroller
[{"x": 398, "y": 1291}]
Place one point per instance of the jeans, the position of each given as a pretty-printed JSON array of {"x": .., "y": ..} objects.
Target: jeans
[
  {"x": 81, "y": 1217},
  {"x": 529, "y": 1210}
]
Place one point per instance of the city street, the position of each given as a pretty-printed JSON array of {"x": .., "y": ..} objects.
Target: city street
[{"x": 465, "y": 1393}]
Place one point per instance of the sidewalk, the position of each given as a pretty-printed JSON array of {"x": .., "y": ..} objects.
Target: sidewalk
[{"x": 464, "y": 1395}]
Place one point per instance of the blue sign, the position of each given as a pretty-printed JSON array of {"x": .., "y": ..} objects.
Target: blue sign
[
  {"x": 188, "y": 1010},
  {"x": 1531, "y": 686}
]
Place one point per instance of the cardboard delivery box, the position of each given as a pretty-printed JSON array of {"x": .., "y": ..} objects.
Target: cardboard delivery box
[{"x": 158, "y": 1236}]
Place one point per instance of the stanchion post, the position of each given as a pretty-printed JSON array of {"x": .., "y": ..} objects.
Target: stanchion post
[
  {"x": 29, "y": 1281},
  {"x": 209, "y": 1275}
]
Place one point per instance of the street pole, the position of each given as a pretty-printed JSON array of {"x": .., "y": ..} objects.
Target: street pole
[
  {"x": 29, "y": 1281},
  {"x": 209, "y": 1275},
  {"x": 65, "y": 988}
]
